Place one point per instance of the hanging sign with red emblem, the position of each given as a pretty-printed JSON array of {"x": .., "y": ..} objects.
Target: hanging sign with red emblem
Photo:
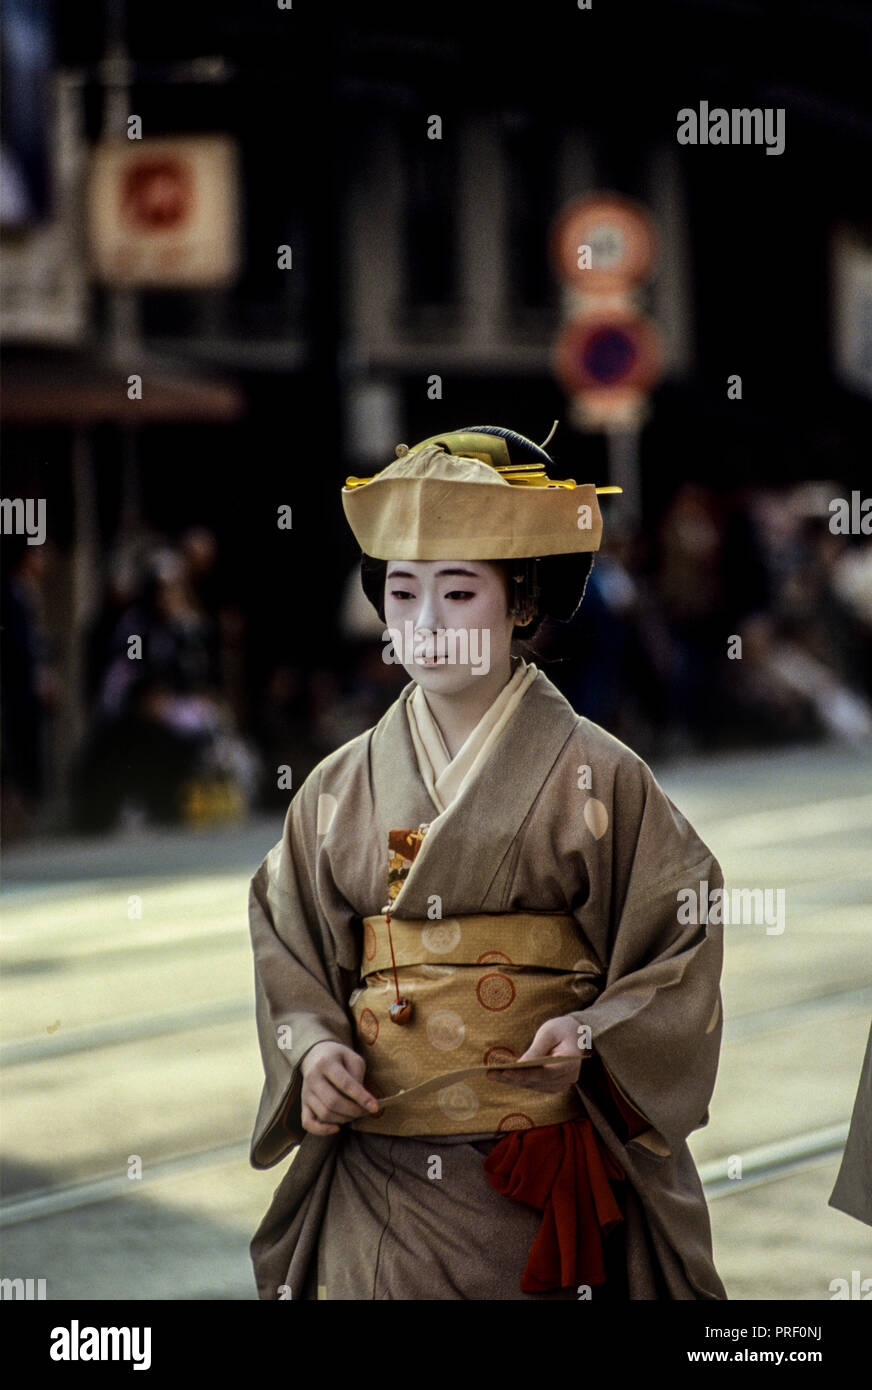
[{"x": 164, "y": 213}]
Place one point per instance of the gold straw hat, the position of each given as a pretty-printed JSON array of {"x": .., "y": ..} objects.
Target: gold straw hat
[{"x": 459, "y": 495}]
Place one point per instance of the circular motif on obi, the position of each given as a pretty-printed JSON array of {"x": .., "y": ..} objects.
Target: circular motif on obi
[
  {"x": 445, "y": 1030},
  {"x": 458, "y": 1101},
  {"x": 495, "y": 992},
  {"x": 370, "y": 940},
  {"x": 494, "y": 958},
  {"x": 441, "y": 937},
  {"x": 368, "y": 1026},
  {"x": 516, "y": 1120},
  {"x": 499, "y": 1054}
]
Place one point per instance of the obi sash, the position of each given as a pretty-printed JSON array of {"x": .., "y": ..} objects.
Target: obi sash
[{"x": 480, "y": 986}]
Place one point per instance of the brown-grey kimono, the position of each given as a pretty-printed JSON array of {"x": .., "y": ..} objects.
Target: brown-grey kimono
[
  {"x": 853, "y": 1190},
  {"x": 560, "y": 818}
]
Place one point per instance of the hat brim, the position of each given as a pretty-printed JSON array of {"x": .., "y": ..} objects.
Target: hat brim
[{"x": 436, "y": 519}]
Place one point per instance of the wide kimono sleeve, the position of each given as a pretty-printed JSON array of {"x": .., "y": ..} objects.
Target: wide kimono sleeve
[
  {"x": 852, "y": 1193},
  {"x": 300, "y": 989},
  {"x": 656, "y": 1025}
]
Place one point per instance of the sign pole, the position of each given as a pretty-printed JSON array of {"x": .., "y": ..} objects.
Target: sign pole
[
  {"x": 624, "y": 470},
  {"x": 608, "y": 354}
]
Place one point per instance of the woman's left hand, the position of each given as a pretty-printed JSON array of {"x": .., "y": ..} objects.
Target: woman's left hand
[{"x": 558, "y": 1037}]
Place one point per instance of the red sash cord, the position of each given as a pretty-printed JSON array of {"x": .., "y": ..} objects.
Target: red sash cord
[{"x": 566, "y": 1172}]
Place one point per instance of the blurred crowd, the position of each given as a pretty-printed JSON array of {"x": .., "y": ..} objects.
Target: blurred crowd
[
  {"x": 740, "y": 621},
  {"x": 745, "y": 622}
]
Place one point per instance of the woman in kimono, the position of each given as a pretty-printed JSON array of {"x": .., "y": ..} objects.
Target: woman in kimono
[{"x": 487, "y": 1023}]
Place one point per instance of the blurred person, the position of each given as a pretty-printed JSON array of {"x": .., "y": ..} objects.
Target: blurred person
[
  {"x": 844, "y": 713},
  {"x": 817, "y": 646},
  {"x": 28, "y": 682},
  {"x": 622, "y": 689},
  {"x": 852, "y": 582},
  {"x": 356, "y": 696},
  {"x": 808, "y": 599},
  {"x": 757, "y": 703},
  {"x": 363, "y": 686},
  {"x": 689, "y": 590},
  {"x": 124, "y": 583},
  {"x": 198, "y": 550},
  {"x": 287, "y": 727},
  {"x": 26, "y": 61},
  {"x": 746, "y": 582},
  {"x": 163, "y": 741},
  {"x": 172, "y": 633},
  {"x": 766, "y": 684},
  {"x": 223, "y": 617},
  {"x": 474, "y": 909}
]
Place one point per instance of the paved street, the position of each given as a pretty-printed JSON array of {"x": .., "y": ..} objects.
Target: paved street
[{"x": 132, "y": 1037}]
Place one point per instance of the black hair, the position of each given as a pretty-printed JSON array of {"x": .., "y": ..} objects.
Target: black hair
[{"x": 553, "y": 584}]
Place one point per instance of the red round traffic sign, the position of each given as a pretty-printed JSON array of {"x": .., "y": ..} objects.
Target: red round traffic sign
[{"x": 603, "y": 242}]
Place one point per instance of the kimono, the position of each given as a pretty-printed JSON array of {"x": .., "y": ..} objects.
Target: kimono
[
  {"x": 555, "y": 816},
  {"x": 853, "y": 1190}
]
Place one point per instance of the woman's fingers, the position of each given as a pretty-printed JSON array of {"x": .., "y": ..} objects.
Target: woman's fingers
[
  {"x": 347, "y": 1085},
  {"x": 313, "y": 1126},
  {"x": 331, "y": 1105},
  {"x": 333, "y": 1096}
]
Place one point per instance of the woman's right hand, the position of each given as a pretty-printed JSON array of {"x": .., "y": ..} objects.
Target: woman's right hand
[{"x": 332, "y": 1093}]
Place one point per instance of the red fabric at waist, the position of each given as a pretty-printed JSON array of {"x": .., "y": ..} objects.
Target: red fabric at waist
[{"x": 567, "y": 1173}]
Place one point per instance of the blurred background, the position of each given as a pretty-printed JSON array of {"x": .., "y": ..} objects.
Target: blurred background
[{"x": 248, "y": 249}]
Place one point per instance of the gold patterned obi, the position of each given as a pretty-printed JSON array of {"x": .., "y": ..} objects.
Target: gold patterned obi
[{"x": 480, "y": 986}]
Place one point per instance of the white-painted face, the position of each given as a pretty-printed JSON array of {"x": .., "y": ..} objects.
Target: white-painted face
[{"x": 448, "y": 620}]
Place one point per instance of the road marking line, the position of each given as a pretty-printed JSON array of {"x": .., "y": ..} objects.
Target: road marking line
[
  {"x": 770, "y": 1162},
  {"x": 789, "y": 1015},
  {"x": 809, "y": 821},
  {"x": 123, "y": 1030},
  {"x": 34, "y": 1207}
]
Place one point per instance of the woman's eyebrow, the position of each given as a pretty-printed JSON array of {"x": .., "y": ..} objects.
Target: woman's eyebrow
[{"x": 407, "y": 574}]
